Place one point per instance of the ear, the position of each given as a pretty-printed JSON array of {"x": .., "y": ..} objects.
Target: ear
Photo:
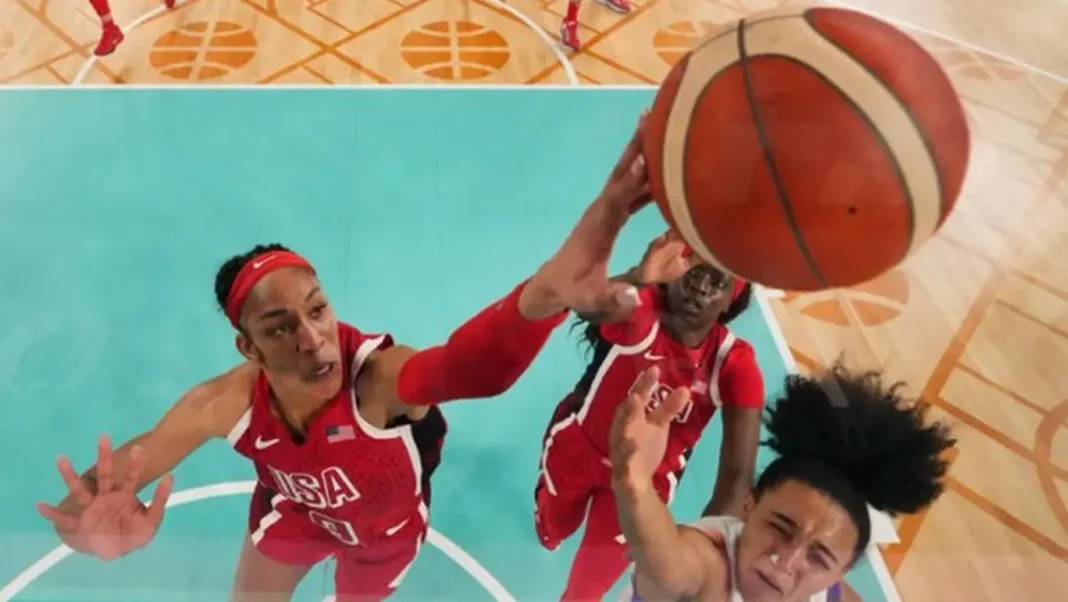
[
  {"x": 247, "y": 349},
  {"x": 747, "y": 506}
]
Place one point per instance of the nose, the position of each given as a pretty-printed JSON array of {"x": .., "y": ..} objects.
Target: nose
[
  {"x": 702, "y": 283},
  {"x": 788, "y": 559},
  {"x": 309, "y": 339}
]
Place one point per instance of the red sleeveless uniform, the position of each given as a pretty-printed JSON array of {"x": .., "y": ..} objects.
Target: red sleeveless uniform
[
  {"x": 575, "y": 473},
  {"x": 348, "y": 490}
]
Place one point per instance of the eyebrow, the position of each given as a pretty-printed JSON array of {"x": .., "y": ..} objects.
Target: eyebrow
[
  {"x": 274, "y": 313},
  {"x": 818, "y": 544}
]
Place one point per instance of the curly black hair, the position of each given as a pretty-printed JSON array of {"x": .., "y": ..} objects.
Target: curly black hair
[
  {"x": 224, "y": 278},
  {"x": 857, "y": 440}
]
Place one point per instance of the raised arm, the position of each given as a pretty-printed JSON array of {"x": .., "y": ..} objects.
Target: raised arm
[
  {"x": 488, "y": 353},
  {"x": 670, "y": 562},
  {"x": 102, "y": 515}
]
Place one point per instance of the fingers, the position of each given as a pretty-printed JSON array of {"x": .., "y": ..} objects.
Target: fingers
[
  {"x": 65, "y": 522},
  {"x": 633, "y": 149},
  {"x": 103, "y": 465},
  {"x": 159, "y": 500},
  {"x": 666, "y": 412},
  {"x": 133, "y": 473},
  {"x": 643, "y": 387},
  {"x": 75, "y": 484}
]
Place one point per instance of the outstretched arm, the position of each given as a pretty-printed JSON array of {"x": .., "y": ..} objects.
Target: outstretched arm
[
  {"x": 671, "y": 562},
  {"x": 198, "y": 415},
  {"x": 486, "y": 355}
]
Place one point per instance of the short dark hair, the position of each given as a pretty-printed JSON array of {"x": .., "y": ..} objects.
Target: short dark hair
[
  {"x": 858, "y": 441},
  {"x": 224, "y": 278}
]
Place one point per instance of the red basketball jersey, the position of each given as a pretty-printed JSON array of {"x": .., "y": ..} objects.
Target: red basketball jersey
[
  {"x": 721, "y": 370},
  {"x": 358, "y": 482}
]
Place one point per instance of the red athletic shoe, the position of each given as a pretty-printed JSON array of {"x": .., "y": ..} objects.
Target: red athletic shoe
[
  {"x": 169, "y": 3},
  {"x": 110, "y": 39},
  {"x": 620, "y": 6},
  {"x": 569, "y": 34}
]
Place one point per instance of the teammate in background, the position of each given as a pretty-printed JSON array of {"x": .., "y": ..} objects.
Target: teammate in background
[
  {"x": 111, "y": 36},
  {"x": 340, "y": 424},
  {"x": 680, "y": 326},
  {"x": 569, "y": 26},
  {"x": 844, "y": 441}
]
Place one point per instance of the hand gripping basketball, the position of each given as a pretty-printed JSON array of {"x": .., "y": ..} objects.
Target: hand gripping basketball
[
  {"x": 638, "y": 439},
  {"x": 576, "y": 277},
  {"x": 666, "y": 259},
  {"x": 111, "y": 522}
]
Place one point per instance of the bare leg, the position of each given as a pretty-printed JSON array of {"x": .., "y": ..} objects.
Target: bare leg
[{"x": 260, "y": 579}]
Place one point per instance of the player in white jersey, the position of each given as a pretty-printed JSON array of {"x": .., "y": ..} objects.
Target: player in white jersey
[{"x": 844, "y": 441}]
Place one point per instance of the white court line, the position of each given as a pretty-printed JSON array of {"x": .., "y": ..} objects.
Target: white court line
[
  {"x": 882, "y": 526},
  {"x": 565, "y": 62},
  {"x": 93, "y": 58},
  {"x": 569, "y": 69},
  {"x": 941, "y": 36},
  {"x": 229, "y": 488}
]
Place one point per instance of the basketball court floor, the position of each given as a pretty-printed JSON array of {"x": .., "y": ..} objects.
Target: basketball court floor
[{"x": 420, "y": 206}]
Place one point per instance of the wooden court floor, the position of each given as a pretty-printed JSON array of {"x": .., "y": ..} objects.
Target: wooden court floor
[{"x": 977, "y": 322}]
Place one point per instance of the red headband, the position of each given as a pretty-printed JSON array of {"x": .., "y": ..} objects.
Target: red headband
[
  {"x": 739, "y": 286},
  {"x": 254, "y": 271}
]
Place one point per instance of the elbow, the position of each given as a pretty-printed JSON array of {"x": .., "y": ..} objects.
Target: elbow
[{"x": 662, "y": 585}]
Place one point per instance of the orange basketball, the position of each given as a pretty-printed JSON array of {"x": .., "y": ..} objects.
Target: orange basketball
[{"x": 806, "y": 148}]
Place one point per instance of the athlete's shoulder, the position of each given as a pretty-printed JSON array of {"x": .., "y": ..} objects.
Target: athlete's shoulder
[
  {"x": 358, "y": 344},
  {"x": 214, "y": 406}
]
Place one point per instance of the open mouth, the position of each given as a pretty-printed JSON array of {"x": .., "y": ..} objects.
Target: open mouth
[
  {"x": 321, "y": 371},
  {"x": 767, "y": 580}
]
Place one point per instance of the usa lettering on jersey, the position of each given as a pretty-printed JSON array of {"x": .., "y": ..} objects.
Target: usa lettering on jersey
[
  {"x": 329, "y": 489},
  {"x": 660, "y": 395}
]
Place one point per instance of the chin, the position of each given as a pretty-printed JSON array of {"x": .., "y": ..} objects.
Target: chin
[
  {"x": 754, "y": 589},
  {"x": 325, "y": 388}
]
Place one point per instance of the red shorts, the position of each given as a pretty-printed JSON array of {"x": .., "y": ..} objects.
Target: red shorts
[
  {"x": 290, "y": 533},
  {"x": 570, "y": 461}
]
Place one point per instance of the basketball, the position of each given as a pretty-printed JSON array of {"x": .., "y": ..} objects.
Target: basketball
[{"x": 806, "y": 149}]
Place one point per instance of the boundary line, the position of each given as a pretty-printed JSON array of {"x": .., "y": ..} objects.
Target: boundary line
[{"x": 231, "y": 488}]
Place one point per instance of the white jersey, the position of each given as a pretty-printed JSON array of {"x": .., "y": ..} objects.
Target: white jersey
[{"x": 731, "y": 528}]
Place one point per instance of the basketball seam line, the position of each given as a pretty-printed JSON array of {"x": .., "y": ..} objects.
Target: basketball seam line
[
  {"x": 915, "y": 124},
  {"x": 880, "y": 139},
  {"x": 769, "y": 160}
]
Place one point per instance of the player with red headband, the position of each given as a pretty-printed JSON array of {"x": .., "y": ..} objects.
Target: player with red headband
[
  {"x": 111, "y": 35},
  {"x": 341, "y": 425},
  {"x": 681, "y": 327}
]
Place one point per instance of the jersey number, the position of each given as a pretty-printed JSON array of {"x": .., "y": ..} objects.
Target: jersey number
[{"x": 341, "y": 529}]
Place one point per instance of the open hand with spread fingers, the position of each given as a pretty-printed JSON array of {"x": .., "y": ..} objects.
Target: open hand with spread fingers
[
  {"x": 111, "y": 521},
  {"x": 639, "y": 437}
]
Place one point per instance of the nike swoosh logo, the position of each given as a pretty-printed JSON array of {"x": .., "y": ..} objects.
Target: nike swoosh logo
[
  {"x": 653, "y": 358},
  {"x": 390, "y": 531},
  {"x": 259, "y": 264},
  {"x": 261, "y": 444}
]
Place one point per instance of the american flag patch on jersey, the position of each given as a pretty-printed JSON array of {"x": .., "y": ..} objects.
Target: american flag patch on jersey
[{"x": 339, "y": 433}]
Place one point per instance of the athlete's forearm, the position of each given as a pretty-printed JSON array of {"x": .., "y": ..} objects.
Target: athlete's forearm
[
  {"x": 728, "y": 497},
  {"x": 662, "y": 557},
  {"x": 631, "y": 277},
  {"x": 482, "y": 358}
]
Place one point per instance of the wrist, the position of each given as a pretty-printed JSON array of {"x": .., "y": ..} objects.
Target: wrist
[
  {"x": 538, "y": 302},
  {"x": 634, "y": 277},
  {"x": 628, "y": 486}
]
